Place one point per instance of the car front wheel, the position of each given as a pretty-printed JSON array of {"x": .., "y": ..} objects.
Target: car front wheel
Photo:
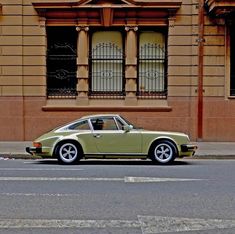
[
  {"x": 163, "y": 152},
  {"x": 67, "y": 153}
]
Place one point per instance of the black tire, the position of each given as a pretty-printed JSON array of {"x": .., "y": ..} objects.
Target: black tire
[
  {"x": 68, "y": 153},
  {"x": 163, "y": 152}
]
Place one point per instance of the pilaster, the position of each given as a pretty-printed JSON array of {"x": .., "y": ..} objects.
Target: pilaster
[
  {"x": 131, "y": 65},
  {"x": 82, "y": 65}
]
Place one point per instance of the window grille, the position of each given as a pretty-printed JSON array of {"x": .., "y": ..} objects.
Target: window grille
[
  {"x": 106, "y": 71},
  {"x": 152, "y": 82},
  {"x": 61, "y": 62}
]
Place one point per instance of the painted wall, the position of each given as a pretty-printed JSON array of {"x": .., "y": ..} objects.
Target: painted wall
[{"x": 23, "y": 115}]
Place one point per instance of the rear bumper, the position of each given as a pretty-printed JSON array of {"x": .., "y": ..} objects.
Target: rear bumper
[
  {"x": 33, "y": 150},
  {"x": 188, "y": 148}
]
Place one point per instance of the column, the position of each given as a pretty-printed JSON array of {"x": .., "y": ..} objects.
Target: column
[
  {"x": 131, "y": 66},
  {"x": 82, "y": 65}
]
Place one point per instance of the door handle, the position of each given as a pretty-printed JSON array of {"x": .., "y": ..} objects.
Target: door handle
[{"x": 97, "y": 135}]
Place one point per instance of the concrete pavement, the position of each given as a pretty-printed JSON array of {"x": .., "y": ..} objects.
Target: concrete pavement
[
  {"x": 215, "y": 150},
  {"x": 206, "y": 150}
]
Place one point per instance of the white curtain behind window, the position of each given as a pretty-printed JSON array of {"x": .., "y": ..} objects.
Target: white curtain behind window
[
  {"x": 151, "y": 62},
  {"x": 107, "y": 62}
]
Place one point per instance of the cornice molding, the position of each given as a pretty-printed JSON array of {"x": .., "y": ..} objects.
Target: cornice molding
[
  {"x": 170, "y": 4},
  {"x": 107, "y": 12},
  {"x": 220, "y": 8},
  {"x": 108, "y": 108}
]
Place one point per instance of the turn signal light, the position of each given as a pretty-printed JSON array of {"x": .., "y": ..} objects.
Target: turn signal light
[{"x": 37, "y": 144}]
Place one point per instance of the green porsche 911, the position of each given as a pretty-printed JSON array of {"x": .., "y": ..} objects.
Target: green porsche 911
[{"x": 110, "y": 136}]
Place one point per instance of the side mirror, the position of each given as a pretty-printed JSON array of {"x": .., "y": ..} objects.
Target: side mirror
[{"x": 127, "y": 128}]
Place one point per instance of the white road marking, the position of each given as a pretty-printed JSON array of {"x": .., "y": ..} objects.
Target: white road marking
[
  {"x": 39, "y": 194},
  {"x": 125, "y": 179},
  {"x": 148, "y": 224},
  {"x": 58, "y": 179},
  {"x": 156, "y": 180},
  {"x": 41, "y": 169}
]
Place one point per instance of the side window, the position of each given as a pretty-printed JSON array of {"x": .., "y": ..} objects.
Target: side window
[
  {"x": 97, "y": 124},
  {"x": 104, "y": 124},
  {"x": 109, "y": 124},
  {"x": 83, "y": 125}
]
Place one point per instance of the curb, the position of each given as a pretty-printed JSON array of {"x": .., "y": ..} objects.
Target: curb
[
  {"x": 215, "y": 157},
  {"x": 18, "y": 156}
]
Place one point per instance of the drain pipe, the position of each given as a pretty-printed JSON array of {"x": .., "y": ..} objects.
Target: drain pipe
[{"x": 200, "y": 90}]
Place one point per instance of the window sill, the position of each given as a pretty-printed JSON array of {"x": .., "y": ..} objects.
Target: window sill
[{"x": 109, "y": 108}]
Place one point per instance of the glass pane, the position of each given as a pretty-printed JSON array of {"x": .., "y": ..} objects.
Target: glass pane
[
  {"x": 107, "y": 37},
  {"x": 107, "y": 62},
  {"x": 61, "y": 61},
  {"x": 83, "y": 125},
  {"x": 104, "y": 124},
  {"x": 152, "y": 38},
  {"x": 109, "y": 124},
  {"x": 151, "y": 62}
]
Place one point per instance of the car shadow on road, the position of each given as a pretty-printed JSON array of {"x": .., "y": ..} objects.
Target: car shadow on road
[{"x": 113, "y": 162}]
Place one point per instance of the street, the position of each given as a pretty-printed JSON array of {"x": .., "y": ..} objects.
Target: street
[{"x": 117, "y": 196}]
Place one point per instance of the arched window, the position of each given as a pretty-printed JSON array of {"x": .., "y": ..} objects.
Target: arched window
[
  {"x": 106, "y": 66},
  {"x": 152, "y": 65}
]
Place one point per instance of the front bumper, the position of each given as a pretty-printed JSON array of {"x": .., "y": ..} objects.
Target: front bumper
[
  {"x": 33, "y": 150},
  {"x": 188, "y": 148}
]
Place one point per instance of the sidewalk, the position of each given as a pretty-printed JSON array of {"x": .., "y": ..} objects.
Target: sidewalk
[
  {"x": 215, "y": 150},
  {"x": 206, "y": 150}
]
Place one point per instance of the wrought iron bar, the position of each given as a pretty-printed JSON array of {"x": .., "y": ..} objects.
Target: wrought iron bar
[
  {"x": 106, "y": 71},
  {"x": 151, "y": 72},
  {"x": 61, "y": 62}
]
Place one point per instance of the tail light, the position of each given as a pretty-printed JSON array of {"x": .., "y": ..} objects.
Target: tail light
[{"x": 37, "y": 144}]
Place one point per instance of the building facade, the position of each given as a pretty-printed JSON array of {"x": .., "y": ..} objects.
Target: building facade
[{"x": 164, "y": 65}]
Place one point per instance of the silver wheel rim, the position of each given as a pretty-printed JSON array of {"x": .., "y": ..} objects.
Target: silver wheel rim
[
  {"x": 163, "y": 153},
  {"x": 68, "y": 152}
]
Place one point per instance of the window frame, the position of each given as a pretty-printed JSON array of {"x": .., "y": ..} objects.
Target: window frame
[
  {"x": 232, "y": 62},
  {"x": 106, "y": 94},
  {"x": 66, "y": 76},
  {"x": 148, "y": 94}
]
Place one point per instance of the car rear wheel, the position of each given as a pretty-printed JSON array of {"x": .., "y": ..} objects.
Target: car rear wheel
[
  {"x": 68, "y": 153},
  {"x": 163, "y": 152}
]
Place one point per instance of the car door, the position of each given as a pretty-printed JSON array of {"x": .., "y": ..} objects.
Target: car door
[{"x": 111, "y": 139}]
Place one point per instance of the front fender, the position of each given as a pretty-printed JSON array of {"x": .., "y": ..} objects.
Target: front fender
[
  {"x": 150, "y": 138},
  {"x": 164, "y": 138}
]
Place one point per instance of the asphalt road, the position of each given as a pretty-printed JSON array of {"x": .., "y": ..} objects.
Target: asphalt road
[{"x": 188, "y": 197}]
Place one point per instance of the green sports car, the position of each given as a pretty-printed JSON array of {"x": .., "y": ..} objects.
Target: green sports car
[{"x": 110, "y": 136}]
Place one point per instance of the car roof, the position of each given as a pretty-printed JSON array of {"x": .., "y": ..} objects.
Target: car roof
[
  {"x": 85, "y": 118},
  {"x": 97, "y": 116}
]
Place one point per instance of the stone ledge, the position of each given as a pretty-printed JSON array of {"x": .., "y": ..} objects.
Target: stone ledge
[{"x": 109, "y": 108}]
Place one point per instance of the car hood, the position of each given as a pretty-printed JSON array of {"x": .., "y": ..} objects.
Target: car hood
[{"x": 162, "y": 132}]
